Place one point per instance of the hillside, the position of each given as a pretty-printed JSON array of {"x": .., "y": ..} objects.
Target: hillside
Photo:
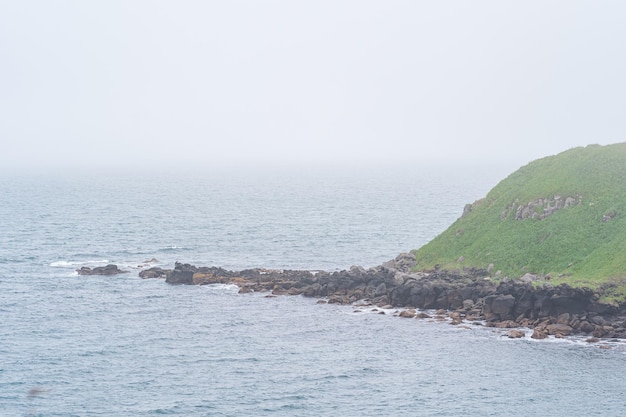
[{"x": 563, "y": 216}]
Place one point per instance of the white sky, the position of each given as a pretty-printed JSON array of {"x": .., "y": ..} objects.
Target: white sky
[{"x": 153, "y": 83}]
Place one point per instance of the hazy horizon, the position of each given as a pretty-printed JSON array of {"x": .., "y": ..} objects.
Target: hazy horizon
[{"x": 151, "y": 85}]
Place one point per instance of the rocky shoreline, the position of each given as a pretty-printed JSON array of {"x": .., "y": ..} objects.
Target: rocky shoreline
[{"x": 468, "y": 296}]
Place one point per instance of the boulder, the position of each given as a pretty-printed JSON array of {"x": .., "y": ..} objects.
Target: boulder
[
  {"x": 101, "y": 270},
  {"x": 380, "y": 290},
  {"x": 538, "y": 334},
  {"x": 503, "y": 304},
  {"x": 562, "y": 329},
  {"x": 563, "y": 318},
  {"x": 407, "y": 314},
  {"x": 506, "y": 324},
  {"x": 516, "y": 334},
  {"x": 155, "y": 272},
  {"x": 528, "y": 278},
  {"x": 178, "y": 277}
]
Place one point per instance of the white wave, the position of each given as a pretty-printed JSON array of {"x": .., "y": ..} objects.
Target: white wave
[
  {"x": 71, "y": 264},
  {"x": 223, "y": 288},
  {"x": 172, "y": 247}
]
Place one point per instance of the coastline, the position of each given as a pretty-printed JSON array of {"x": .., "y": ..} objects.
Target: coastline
[{"x": 462, "y": 297}]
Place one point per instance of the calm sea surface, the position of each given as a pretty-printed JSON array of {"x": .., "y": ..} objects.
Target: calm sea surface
[{"x": 122, "y": 346}]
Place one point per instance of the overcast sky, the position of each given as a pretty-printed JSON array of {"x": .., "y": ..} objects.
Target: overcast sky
[{"x": 228, "y": 82}]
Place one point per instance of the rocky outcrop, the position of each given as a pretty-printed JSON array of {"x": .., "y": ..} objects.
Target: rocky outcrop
[
  {"x": 154, "y": 272},
  {"x": 100, "y": 270},
  {"x": 541, "y": 208},
  {"x": 466, "y": 294}
]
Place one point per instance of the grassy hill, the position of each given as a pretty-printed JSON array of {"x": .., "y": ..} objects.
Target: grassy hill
[{"x": 563, "y": 216}]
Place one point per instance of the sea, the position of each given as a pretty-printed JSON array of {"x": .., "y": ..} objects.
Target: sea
[{"x": 119, "y": 345}]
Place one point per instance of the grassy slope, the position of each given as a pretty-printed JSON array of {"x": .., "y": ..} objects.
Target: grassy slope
[{"x": 573, "y": 243}]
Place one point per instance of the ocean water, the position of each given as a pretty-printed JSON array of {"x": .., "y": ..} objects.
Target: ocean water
[{"x": 122, "y": 346}]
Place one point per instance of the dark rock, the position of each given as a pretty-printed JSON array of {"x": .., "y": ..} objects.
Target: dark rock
[
  {"x": 563, "y": 318},
  {"x": 503, "y": 304},
  {"x": 155, "y": 272},
  {"x": 586, "y": 327},
  {"x": 178, "y": 276},
  {"x": 100, "y": 270},
  {"x": 394, "y": 285},
  {"x": 597, "y": 320},
  {"x": 380, "y": 290}
]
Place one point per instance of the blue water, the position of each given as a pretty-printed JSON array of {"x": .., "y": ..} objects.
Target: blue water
[{"x": 122, "y": 346}]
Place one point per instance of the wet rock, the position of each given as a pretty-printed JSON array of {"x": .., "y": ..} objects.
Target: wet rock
[
  {"x": 100, "y": 270},
  {"x": 181, "y": 274},
  {"x": 516, "y": 334},
  {"x": 538, "y": 334},
  {"x": 465, "y": 293},
  {"x": 155, "y": 272},
  {"x": 408, "y": 314},
  {"x": 507, "y": 324},
  {"x": 179, "y": 277}
]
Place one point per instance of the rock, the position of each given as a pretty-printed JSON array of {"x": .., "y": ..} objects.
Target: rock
[
  {"x": 538, "y": 334},
  {"x": 562, "y": 329},
  {"x": 380, "y": 290},
  {"x": 598, "y": 320},
  {"x": 178, "y": 277},
  {"x": 408, "y": 314},
  {"x": 422, "y": 315},
  {"x": 101, "y": 270},
  {"x": 503, "y": 304},
  {"x": 516, "y": 334},
  {"x": 507, "y": 324},
  {"x": 465, "y": 293},
  {"x": 592, "y": 340},
  {"x": 528, "y": 278},
  {"x": 467, "y": 210},
  {"x": 563, "y": 318},
  {"x": 155, "y": 272},
  {"x": 403, "y": 262},
  {"x": 586, "y": 327}
]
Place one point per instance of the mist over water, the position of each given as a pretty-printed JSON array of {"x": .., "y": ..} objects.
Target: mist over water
[{"x": 89, "y": 346}]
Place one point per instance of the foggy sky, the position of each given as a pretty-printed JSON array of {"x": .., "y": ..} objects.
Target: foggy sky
[{"x": 148, "y": 83}]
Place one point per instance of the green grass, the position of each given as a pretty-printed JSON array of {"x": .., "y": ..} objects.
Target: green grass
[{"x": 574, "y": 245}]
